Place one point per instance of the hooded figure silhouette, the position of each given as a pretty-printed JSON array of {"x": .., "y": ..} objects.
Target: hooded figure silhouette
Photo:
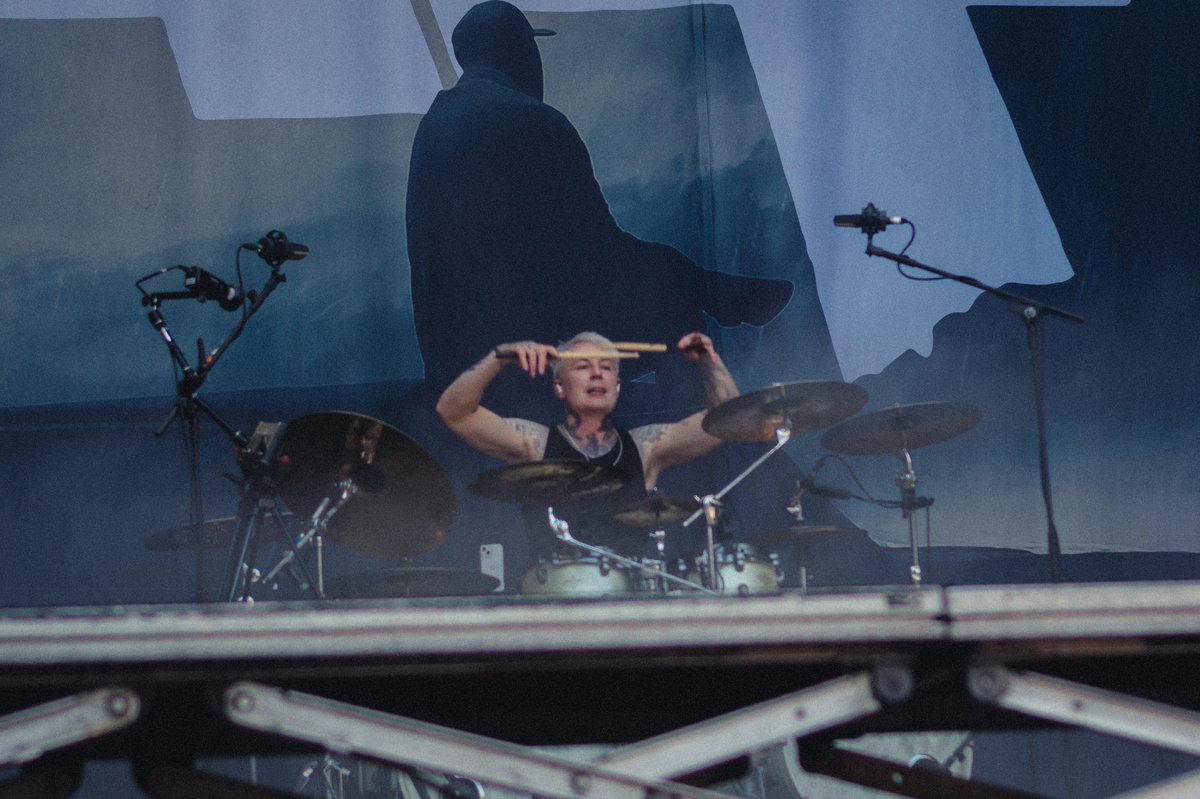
[{"x": 510, "y": 236}]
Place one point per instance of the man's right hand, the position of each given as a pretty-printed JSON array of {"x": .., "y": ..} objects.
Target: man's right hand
[{"x": 532, "y": 357}]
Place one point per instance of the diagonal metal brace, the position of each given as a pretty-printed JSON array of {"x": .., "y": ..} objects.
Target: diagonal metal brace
[
  {"x": 28, "y": 734},
  {"x": 884, "y": 775},
  {"x": 1185, "y": 786},
  {"x": 347, "y": 729},
  {"x": 1079, "y": 705},
  {"x": 747, "y": 730}
]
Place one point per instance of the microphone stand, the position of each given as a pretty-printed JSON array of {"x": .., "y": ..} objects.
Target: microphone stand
[
  {"x": 1031, "y": 313},
  {"x": 188, "y": 405}
]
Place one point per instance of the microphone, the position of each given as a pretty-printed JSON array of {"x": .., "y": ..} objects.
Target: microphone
[
  {"x": 870, "y": 221},
  {"x": 207, "y": 286},
  {"x": 274, "y": 248}
]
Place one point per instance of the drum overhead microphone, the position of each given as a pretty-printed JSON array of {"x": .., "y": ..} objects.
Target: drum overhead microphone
[
  {"x": 872, "y": 220},
  {"x": 206, "y": 286},
  {"x": 274, "y": 248}
]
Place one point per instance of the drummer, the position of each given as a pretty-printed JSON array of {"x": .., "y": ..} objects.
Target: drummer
[{"x": 588, "y": 385}]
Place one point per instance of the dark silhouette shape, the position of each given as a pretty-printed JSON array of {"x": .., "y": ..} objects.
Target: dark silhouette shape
[{"x": 510, "y": 236}]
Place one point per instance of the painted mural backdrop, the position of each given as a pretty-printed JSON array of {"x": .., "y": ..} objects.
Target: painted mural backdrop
[{"x": 687, "y": 164}]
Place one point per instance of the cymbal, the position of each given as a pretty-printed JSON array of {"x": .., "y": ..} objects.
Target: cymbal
[
  {"x": 804, "y": 407},
  {"x": 802, "y": 532},
  {"x": 654, "y": 511},
  {"x": 548, "y": 481},
  {"x": 901, "y": 427},
  {"x": 412, "y": 581},
  {"x": 405, "y": 504}
]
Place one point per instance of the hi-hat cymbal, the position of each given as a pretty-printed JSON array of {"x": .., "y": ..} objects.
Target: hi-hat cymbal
[
  {"x": 802, "y": 407},
  {"x": 804, "y": 532},
  {"x": 654, "y": 511},
  {"x": 902, "y": 427},
  {"x": 412, "y": 581},
  {"x": 404, "y": 504},
  {"x": 548, "y": 481}
]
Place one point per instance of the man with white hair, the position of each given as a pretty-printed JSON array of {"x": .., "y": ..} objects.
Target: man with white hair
[{"x": 588, "y": 385}]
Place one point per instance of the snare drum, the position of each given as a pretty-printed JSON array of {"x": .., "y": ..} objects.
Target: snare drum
[
  {"x": 577, "y": 576},
  {"x": 740, "y": 570}
]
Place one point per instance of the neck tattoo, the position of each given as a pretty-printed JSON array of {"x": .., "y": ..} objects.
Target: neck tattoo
[{"x": 595, "y": 444}]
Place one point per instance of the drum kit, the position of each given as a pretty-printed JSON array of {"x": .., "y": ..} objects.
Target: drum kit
[{"x": 358, "y": 483}]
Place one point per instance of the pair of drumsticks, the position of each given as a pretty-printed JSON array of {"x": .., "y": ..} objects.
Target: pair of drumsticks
[{"x": 624, "y": 349}]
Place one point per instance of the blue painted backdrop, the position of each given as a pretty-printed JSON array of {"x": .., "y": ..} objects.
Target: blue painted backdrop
[{"x": 1050, "y": 147}]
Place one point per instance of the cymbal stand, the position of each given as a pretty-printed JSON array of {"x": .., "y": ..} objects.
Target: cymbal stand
[
  {"x": 562, "y": 531},
  {"x": 259, "y": 501},
  {"x": 710, "y": 504},
  {"x": 906, "y": 479},
  {"x": 317, "y": 527},
  {"x": 659, "y": 536}
]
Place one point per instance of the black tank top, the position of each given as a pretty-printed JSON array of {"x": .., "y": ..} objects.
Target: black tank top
[{"x": 591, "y": 520}]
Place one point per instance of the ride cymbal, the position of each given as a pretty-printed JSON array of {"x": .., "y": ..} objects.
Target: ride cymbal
[
  {"x": 404, "y": 504},
  {"x": 802, "y": 407},
  {"x": 902, "y": 427}
]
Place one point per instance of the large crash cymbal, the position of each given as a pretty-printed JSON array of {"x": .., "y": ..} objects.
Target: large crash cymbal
[
  {"x": 548, "y": 481},
  {"x": 404, "y": 504},
  {"x": 902, "y": 427},
  {"x": 802, "y": 407},
  {"x": 655, "y": 511}
]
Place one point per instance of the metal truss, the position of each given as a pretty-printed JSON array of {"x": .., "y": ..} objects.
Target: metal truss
[{"x": 1128, "y": 717}]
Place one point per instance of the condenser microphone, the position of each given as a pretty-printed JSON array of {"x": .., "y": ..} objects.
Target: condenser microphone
[
  {"x": 207, "y": 286},
  {"x": 871, "y": 220},
  {"x": 274, "y": 248}
]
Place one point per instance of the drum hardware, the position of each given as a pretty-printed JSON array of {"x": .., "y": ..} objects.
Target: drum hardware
[
  {"x": 315, "y": 533},
  {"x": 562, "y": 531},
  {"x": 778, "y": 411},
  {"x": 333, "y": 777},
  {"x": 655, "y": 512},
  {"x": 896, "y": 431},
  {"x": 258, "y": 505}
]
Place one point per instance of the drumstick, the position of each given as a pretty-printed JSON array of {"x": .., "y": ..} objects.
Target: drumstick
[
  {"x": 636, "y": 346},
  {"x": 569, "y": 355}
]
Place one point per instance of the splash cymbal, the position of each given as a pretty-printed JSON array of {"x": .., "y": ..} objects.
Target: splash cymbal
[
  {"x": 802, "y": 407},
  {"x": 655, "y": 511},
  {"x": 902, "y": 427},
  {"x": 404, "y": 504}
]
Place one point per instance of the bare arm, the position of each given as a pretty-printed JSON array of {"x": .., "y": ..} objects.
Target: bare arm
[
  {"x": 508, "y": 440},
  {"x": 665, "y": 445}
]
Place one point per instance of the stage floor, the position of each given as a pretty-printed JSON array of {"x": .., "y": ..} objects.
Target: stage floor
[{"x": 613, "y": 670}]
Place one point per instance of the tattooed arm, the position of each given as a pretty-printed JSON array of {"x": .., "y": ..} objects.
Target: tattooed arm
[
  {"x": 508, "y": 440},
  {"x": 665, "y": 445}
]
